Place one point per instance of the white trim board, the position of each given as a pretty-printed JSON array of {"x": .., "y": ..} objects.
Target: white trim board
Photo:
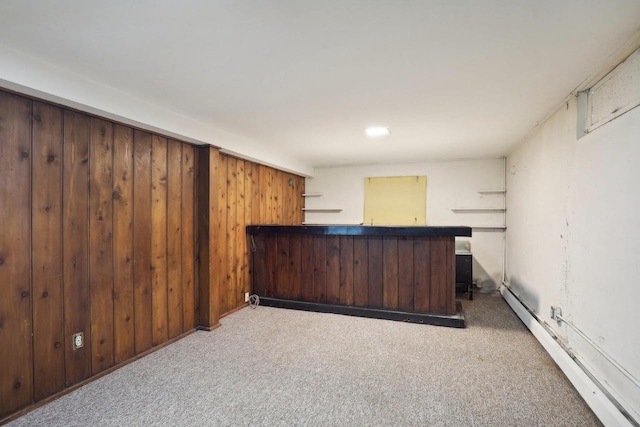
[{"x": 599, "y": 403}]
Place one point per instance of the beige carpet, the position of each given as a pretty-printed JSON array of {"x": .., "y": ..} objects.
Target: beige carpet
[{"x": 274, "y": 366}]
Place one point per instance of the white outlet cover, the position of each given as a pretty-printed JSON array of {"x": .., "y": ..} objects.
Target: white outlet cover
[{"x": 78, "y": 340}]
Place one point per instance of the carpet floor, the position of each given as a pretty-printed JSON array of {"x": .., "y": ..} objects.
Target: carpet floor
[{"x": 280, "y": 367}]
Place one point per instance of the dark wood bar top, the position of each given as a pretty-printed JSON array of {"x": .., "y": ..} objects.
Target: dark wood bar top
[{"x": 360, "y": 230}]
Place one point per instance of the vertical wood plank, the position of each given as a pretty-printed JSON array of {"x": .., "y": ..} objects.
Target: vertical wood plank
[
  {"x": 307, "y": 290},
  {"x": 174, "y": 238},
  {"x": 256, "y": 203},
  {"x": 220, "y": 192},
  {"x": 228, "y": 294},
  {"x": 295, "y": 265},
  {"x": 346, "y": 270},
  {"x": 390, "y": 272},
  {"x": 360, "y": 271},
  {"x": 421, "y": 275},
  {"x": 159, "y": 238},
  {"x": 282, "y": 289},
  {"x": 16, "y": 380},
  {"x": 240, "y": 255},
  {"x": 212, "y": 220},
  {"x": 188, "y": 237},
  {"x": 278, "y": 197},
  {"x": 439, "y": 275},
  {"x": 272, "y": 266},
  {"x": 333, "y": 269},
  {"x": 375, "y": 272},
  {"x": 265, "y": 188},
  {"x": 451, "y": 264},
  {"x": 123, "y": 310},
  {"x": 288, "y": 188},
  {"x": 259, "y": 270},
  {"x": 320, "y": 268},
  {"x": 142, "y": 240},
  {"x": 101, "y": 244},
  {"x": 75, "y": 230},
  {"x": 405, "y": 274},
  {"x": 270, "y": 214},
  {"x": 48, "y": 316},
  {"x": 248, "y": 212}
]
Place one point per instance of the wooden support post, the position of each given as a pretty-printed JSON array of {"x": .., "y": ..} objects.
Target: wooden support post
[{"x": 210, "y": 236}]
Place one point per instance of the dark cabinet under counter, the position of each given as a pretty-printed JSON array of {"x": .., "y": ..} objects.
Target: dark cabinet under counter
[{"x": 397, "y": 273}]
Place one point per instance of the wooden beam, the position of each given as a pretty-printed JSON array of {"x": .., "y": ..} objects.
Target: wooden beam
[{"x": 211, "y": 236}]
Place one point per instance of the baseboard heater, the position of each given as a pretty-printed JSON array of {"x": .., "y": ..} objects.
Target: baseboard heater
[{"x": 600, "y": 403}]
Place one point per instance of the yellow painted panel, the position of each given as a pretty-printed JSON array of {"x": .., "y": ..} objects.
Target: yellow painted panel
[{"x": 395, "y": 200}]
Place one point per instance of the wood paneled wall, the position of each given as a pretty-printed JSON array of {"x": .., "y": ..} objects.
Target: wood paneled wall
[
  {"x": 97, "y": 237},
  {"x": 99, "y": 234},
  {"x": 254, "y": 194}
]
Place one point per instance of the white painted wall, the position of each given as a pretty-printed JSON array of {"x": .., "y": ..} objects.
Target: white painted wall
[
  {"x": 573, "y": 239},
  {"x": 449, "y": 185}
]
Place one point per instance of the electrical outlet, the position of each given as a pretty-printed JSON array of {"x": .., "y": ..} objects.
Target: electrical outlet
[
  {"x": 556, "y": 313},
  {"x": 246, "y": 297},
  {"x": 78, "y": 340}
]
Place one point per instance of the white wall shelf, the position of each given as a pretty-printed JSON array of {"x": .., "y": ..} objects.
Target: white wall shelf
[
  {"x": 322, "y": 210},
  {"x": 489, "y": 227},
  {"x": 471, "y": 210},
  {"x": 311, "y": 194},
  {"x": 492, "y": 191}
]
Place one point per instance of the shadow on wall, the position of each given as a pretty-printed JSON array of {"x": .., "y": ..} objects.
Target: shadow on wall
[
  {"x": 484, "y": 281},
  {"x": 531, "y": 299}
]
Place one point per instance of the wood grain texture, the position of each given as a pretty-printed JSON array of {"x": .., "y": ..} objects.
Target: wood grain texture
[
  {"x": 278, "y": 197},
  {"x": 76, "y": 249},
  {"x": 188, "y": 238},
  {"x": 393, "y": 273},
  {"x": 16, "y": 380},
  {"x": 306, "y": 269},
  {"x": 101, "y": 244},
  {"x": 405, "y": 274},
  {"x": 360, "y": 271},
  {"x": 48, "y": 309},
  {"x": 390, "y": 272},
  {"x": 295, "y": 267},
  {"x": 259, "y": 266},
  {"x": 346, "y": 270},
  {"x": 75, "y": 229},
  {"x": 333, "y": 269},
  {"x": 159, "y": 292},
  {"x": 174, "y": 239},
  {"x": 256, "y": 202},
  {"x": 442, "y": 280},
  {"x": 248, "y": 208},
  {"x": 241, "y": 255},
  {"x": 211, "y": 240},
  {"x": 227, "y": 297},
  {"x": 282, "y": 276},
  {"x": 375, "y": 272},
  {"x": 123, "y": 308},
  {"x": 421, "y": 275},
  {"x": 142, "y": 240},
  {"x": 271, "y": 250},
  {"x": 320, "y": 268}
]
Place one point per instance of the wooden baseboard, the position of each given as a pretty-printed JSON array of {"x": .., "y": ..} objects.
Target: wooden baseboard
[{"x": 246, "y": 304}]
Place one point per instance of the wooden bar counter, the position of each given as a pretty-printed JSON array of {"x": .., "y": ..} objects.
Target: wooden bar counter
[{"x": 397, "y": 273}]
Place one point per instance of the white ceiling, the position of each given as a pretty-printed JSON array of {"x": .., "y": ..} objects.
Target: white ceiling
[{"x": 452, "y": 79}]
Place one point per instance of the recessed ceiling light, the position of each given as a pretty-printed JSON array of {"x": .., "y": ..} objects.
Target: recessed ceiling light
[{"x": 377, "y": 131}]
